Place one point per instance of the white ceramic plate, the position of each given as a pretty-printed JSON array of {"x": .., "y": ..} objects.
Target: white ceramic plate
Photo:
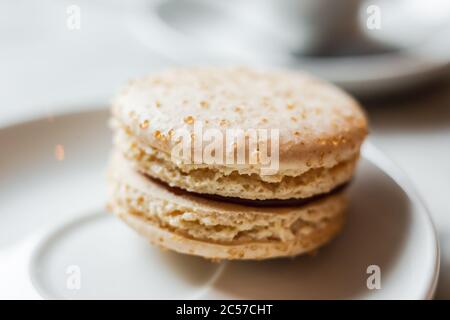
[{"x": 57, "y": 241}]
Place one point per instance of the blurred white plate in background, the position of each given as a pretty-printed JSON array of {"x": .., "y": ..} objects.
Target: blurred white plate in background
[{"x": 225, "y": 32}]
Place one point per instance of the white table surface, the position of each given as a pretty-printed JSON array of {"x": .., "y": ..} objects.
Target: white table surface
[{"x": 47, "y": 69}]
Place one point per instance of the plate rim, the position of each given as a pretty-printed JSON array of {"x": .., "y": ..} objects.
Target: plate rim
[{"x": 395, "y": 172}]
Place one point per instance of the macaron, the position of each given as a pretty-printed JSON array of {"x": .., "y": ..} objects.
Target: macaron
[{"x": 234, "y": 162}]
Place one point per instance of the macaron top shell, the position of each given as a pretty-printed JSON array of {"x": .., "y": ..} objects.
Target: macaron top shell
[{"x": 319, "y": 125}]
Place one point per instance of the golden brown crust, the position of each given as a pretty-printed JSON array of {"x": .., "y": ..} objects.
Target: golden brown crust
[
  {"x": 207, "y": 180},
  {"x": 242, "y": 251},
  {"x": 192, "y": 224},
  {"x": 319, "y": 124}
]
